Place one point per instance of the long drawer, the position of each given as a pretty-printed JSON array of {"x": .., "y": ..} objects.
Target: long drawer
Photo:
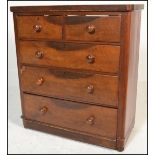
[
  {"x": 104, "y": 58},
  {"x": 71, "y": 115},
  {"x": 76, "y": 86}
]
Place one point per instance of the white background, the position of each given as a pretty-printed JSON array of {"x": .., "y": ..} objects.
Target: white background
[{"x": 63, "y": 145}]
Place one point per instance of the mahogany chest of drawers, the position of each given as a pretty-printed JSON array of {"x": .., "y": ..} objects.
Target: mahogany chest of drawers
[{"x": 78, "y": 69}]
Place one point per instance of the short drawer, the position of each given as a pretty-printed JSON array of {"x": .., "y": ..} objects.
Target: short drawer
[
  {"x": 104, "y": 58},
  {"x": 76, "y": 86},
  {"x": 39, "y": 27},
  {"x": 85, "y": 28},
  {"x": 71, "y": 115}
]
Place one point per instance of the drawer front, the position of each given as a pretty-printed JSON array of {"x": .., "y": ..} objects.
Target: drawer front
[
  {"x": 71, "y": 115},
  {"x": 39, "y": 27},
  {"x": 103, "y": 58},
  {"x": 89, "y": 88},
  {"x": 93, "y": 28}
]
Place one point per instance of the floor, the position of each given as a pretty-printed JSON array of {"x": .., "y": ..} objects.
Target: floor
[{"x": 26, "y": 141}]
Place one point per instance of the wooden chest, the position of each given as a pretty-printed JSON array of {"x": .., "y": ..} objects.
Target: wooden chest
[{"x": 78, "y": 69}]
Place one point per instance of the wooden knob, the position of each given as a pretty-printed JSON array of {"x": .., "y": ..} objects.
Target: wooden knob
[
  {"x": 40, "y": 81},
  {"x": 90, "y": 120},
  {"x": 37, "y": 28},
  {"x": 39, "y": 54},
  {"x": 90, "y": 89},
  {"x": 90, "y": 59},
  {"x": 91, "y": 29},
  {"x": 43, "y": 110}
]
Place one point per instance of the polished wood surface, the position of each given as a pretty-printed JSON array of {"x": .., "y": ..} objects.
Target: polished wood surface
[
  {"x": 82, "y": 117},
  {"x": 42, "y": 27},
  {"x": 71, "y": 85},
  {"x": 102, "y": 58},
  {"x": 93, "y": 28},
  {"x": 128, "y": 76},
  {"x": 132, "y": 70},
  {"x": 66, "y": 8},
  {"x": 79, "y": 61},
  {"x": 72, "y": 134}
]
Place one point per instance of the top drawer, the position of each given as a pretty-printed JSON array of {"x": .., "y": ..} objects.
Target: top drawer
[
  {"x": 93, "y": 28},
  {"x": 39, "y": 27}
]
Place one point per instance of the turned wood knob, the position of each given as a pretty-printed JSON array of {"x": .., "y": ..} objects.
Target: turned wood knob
[
  {"x": 90, "y": 120},
  {"x": 39, "y": 54},
  {"x": 40, "y": 81},
  {"x": 43, "y": 110},
  {"x": 90, "y": 59},
  {"x": 37, "y": 28},
  {"x": 91, "y": 29},
  {"x": 90, "y": 89}
]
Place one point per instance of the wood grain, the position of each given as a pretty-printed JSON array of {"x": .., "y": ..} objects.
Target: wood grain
[
  {"x": 106, "y": 28},
  {"x": 71, "y": 55},
  {"x": 69, "y": 133},
  {"x": 71, "y": 85},
  {"x": 128, "y": 76},
  {"x": 132, "y": 70},
  {"x": 102, "y": 8},
  {"x": 51, "y": 27},
  {"x": 72, "y": 115},
  {"x": 78, "y": 69}
]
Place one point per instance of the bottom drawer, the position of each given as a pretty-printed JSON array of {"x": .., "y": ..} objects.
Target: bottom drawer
[{"x": 72, "y": 115}]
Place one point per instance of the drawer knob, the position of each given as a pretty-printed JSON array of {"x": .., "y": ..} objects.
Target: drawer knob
[
  {"x": 90, "y": 89},
  {"x": 40, "y": 81},
  {"x": 90, "y": 120},
  {"x": 37, "y": 28},
  {"x": 43, "y": 110},
  {"x": 91, "y": 29},
  {"x": 39, "y": 54},
  {"x": 90, "y": 59}
]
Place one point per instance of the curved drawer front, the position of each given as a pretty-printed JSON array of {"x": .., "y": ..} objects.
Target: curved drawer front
[
  {"x": 71, "y": 115},
  {"x": 89, "y": 88},
  {"x": 39, "y": 27},
  {"x": 104, "y": 58},
  {"x": 93, "y": 28}
]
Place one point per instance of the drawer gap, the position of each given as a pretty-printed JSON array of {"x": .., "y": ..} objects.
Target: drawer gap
[
  {"x": 93, "y": 15},
  {"x": 74, "y": 15},
  {"x": 69, "y": 100},
  {"x": 97, "y": 15}
]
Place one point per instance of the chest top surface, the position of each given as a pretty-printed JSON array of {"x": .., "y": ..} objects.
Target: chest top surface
[{"x": 98, "y": 8}]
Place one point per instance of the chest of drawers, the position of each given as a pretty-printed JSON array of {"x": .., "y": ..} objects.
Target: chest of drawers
[{"x": 78, "y": 69}]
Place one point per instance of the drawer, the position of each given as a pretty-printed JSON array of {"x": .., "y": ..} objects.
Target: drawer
[
  {"x": 104, "y": 58},
  {"x": 71, "y": 115},
  {"x": 93, "y": 28},
  {"x": 76, "y": 86},
  {"x": 39, "y": 27}
]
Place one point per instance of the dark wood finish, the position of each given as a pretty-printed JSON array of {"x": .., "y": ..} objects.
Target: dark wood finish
[
  {"x": 79, "y": 61},
  {"x": 102, "y": 8},
  {"x": 74, "y": 86},
  {"x": 93, "y": 28},
  {"x": 129, "y": 75},
  {"x": 75, "y": 116},
  {"x": 42, "y": 27},
  {"x": 132, "y": 70},
  {"x": 69, "y": 13},
  {"x": 69, "y": 133},
  {"x": 71, "y": 55}
]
